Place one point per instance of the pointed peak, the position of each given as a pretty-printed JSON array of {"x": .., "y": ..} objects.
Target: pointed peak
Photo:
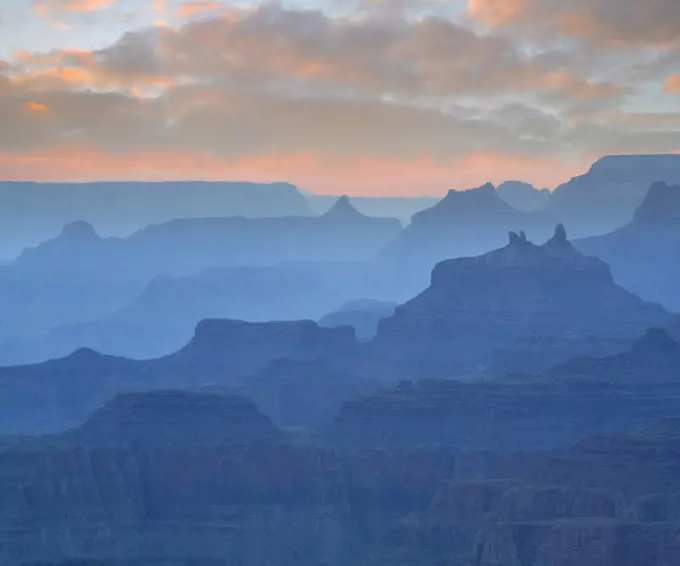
[
  {"x": 560, "y": 236},
  {"x": 343, "y": 208}
]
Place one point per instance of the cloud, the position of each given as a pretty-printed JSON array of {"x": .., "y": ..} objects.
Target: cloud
[
  {"x": 246, "y": 90},
  {"x": 615, "y": 22},
  {"x": 672, "y": 85},
  {"x": 45, "y": 8},
  {"x": 36, "y": 107},
  {"x": 199, "y": 7}
]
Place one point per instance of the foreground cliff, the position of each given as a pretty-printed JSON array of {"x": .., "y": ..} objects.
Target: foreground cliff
[{"x": 220, "y": 485}]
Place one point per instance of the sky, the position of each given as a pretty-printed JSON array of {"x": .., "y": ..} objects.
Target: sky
[{"x": 364, "y": 97}]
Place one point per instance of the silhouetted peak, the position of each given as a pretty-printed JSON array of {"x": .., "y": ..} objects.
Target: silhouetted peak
[
  {"x": 655, "y": 341},
  {"x": 83, "y": 357},
  {"x": 661, "y": 203},
  {"x": 560, "y": 236},
  {"x": 523, "y": 196},
  {"x": 86, "y": 353},
  {"x": 79, "y": 231},
  {"x": 517, "y": 239},
  {"x": 343, "y": 209}
]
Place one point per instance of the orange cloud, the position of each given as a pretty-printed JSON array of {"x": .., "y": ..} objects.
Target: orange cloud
[
  {"x": 496, "y": 13},
  {"x": 44, "y": 7},
  {"x": 36, "y": 107},
  {"x": 198, "y": 7},
  {"x": 613, "y": 22},
  {"x": 360, "y": 175},
  {"x": 672, "y": 85}
]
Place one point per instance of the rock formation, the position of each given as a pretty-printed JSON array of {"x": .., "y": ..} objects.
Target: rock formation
[
  {"x": 522, "y": 308},
  {"x": 523, "y": 415}
]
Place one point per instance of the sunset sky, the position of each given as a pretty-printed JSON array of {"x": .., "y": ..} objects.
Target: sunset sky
[{"x": 338, "y": 96}]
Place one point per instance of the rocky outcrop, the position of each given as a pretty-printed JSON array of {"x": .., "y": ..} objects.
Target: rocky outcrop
[
  {"x": 227, "y": 350},
  {"x": 643, "y": 254},
  {"x": 521, "y": 308},
  {"x": 654, "y": 358}
]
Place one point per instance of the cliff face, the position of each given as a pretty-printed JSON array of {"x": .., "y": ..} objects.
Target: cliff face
[
  {"x": 524, "y": 307},
  {"x": 277, "y": 506},
  {"x": 654, "y": 358},
  {"x": 116, "y": 492},
  {"x": 643, "y": 253},
  {"x": 608, "y": 501},
  {"x": 229, "y": 349},
  {"x": 525, "y": 415},
  {"x": 177, "y": 419}
]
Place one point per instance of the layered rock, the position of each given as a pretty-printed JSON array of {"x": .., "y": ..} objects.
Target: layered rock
[
  {"x": 521, "y": 308},
  {"x": 227, "y": 350},
  {"x": 607, "y": 501},
  {"x": 524, "y": 415},
  {"x": 191, "y": 505},
  {"x": 177, "y": 419}
]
